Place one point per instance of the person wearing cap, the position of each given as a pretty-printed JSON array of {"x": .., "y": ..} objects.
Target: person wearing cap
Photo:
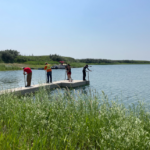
[
  {"x": 49, "y": 72},
  {"x": 29, "y": 75},
  {"x": 84, "y": 72}
]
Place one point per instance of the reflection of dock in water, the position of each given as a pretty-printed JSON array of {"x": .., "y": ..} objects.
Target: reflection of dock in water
[{"x": 57, "y": 84}]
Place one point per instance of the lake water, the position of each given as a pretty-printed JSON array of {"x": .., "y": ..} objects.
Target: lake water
[{"x": 129, "y": 83}]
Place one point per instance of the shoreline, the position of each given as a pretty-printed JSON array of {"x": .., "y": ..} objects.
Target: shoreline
[{"x": 17, "y": 66}]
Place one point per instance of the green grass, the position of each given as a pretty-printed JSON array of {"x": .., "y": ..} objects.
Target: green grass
[
  {"x": 5, "y": 67},
  {"x": 41, "y": 62},
  {"x": 71, "y": 120},
  {"x": 36, "y": 61},
  {"x": 38, "y": 64},
  {"x": 35, "y": 64},
  {"x": 45, "y": 58},
  {"x": 77, "y": 65}
]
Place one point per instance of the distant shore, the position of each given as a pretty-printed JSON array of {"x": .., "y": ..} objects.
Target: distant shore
[
  {"x": 19, "y": 66},
  {"x": 12, "y": 60}
]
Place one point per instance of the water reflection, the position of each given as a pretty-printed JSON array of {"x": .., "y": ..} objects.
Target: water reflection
[{"x": 7, "y": 80}]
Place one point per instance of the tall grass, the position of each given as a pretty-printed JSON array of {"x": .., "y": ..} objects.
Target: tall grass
[
  {"x": 71, "y": 121},
  {"x": 5, "y": 67},
  {"x": 41, "y": 62}
]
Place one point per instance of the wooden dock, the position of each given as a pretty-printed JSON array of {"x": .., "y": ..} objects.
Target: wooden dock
[{"x": 57, "y": 84}]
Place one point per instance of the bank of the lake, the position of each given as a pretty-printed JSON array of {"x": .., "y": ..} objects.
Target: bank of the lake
[
  {"x": 18, "y": 66},
  {"x": 71, "y": 120},
  {"x": 14, "y": 56},
  {"x": 6, "y": 67}
]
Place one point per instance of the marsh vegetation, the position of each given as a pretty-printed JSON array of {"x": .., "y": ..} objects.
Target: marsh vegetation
[
  {"x": 71, "y": 120},
  {"x": 5, "y": 67}
]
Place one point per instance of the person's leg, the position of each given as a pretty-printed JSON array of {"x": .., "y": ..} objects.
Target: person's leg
[
  {"x": 69, "y": 77},
  {"x": 47, "y": 77},
  {"x": 50, "y": 76},
  {"x": 66, "y": 74},
  {"x": 27, "y": 79},
  {"x": 30, "y": 77},
  {"x": 84, "y": 74}
]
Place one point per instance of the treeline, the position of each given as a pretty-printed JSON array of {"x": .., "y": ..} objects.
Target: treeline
[
  {"x": 11, "y": 56},
  {"x": 56, "y": 57},
  {"x": 107, "y": 61}
]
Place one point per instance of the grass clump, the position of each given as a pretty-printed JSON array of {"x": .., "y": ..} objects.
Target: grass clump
[
  {"x": 71, "y": 121},
  {"x": 5, "y": 67}
]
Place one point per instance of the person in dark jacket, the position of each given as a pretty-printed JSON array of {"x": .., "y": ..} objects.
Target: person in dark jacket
[{"x": 84, "y": 72}]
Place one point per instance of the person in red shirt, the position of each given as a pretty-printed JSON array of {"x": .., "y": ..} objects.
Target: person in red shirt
[{"x": 29, "y": 75}]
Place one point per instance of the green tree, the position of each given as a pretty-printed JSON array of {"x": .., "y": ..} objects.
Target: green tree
[{"x": 9, "y": 56}]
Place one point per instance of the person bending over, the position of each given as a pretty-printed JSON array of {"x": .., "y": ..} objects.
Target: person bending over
[
  {"x": 84, "y": 72},
  {"x": 49, "y": 72},
  {"x": 29, "y": 75}
]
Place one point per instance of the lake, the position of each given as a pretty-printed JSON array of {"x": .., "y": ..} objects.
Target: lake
[{"x": 127, "y": 83}]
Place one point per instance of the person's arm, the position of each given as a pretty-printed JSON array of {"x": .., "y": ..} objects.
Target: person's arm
[
  {"x": 24, "y": 72},
  {"x": 45, "y": 67},
  {"x": 88, "y": 69}
]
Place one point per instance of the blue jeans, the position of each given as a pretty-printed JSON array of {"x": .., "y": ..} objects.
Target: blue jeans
[{"x": 49, "y": 75}]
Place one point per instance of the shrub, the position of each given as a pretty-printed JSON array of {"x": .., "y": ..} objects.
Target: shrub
[{"x": 9, "y": 56}]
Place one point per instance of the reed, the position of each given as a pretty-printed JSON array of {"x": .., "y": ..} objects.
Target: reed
[
  {"x": 71, "y": 120},
  {"x": 5, "y": 67}
]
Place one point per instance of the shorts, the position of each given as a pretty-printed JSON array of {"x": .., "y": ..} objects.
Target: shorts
[{"x": 69, "y": 73}]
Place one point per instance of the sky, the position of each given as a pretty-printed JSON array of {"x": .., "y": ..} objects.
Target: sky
[{"x": 106, "y": 29}]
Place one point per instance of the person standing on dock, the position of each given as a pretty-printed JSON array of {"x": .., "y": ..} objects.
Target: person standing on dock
[
  {"x": 29, "y": 75},
  {"x": 49, "y": 72},
  {"x": 66, "y": 72},
  {"x": 84, "y": 72},
  {"x": 69, "y": 73}
]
